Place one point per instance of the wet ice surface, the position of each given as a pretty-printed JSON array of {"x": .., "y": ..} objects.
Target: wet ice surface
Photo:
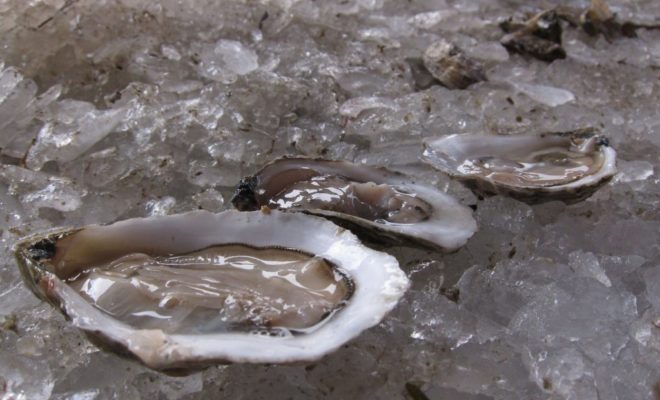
[{"x": 110, "y": 110}]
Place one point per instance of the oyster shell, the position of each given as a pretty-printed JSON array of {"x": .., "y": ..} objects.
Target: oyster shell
[
  {"x": 376, "y": 203},
  {"x": 539, "y": 37},
  {"x": 599, "y": 19},
  {"x": 451, "y": 66},
  {"x": 185, "y": 291},
  {"x": 446, "y": 64},
  {"x": 566, "y": 166}
]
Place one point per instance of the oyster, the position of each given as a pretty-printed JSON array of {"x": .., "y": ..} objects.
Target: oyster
[
  {"x": 377, "y": 203},
  {"x": 185, "y": 291},
  {"x": 451, "y": 66},
  {"x": 539, "y": 37},
  {"x": 599, "y": 19},
  {"x": 566, "y": 166},
  {"x": 446, "y": 64}
]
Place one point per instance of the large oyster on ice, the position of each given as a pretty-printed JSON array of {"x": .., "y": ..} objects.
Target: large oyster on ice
[
  {"x": 374, "y": 202},
  {"x": 566, "y": 166},
  {"x": 189, "y": 290}
]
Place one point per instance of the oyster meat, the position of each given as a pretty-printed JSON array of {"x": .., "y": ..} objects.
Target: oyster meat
[
  {"x": 190, "y": 290},
  {"x": 566, "y": 166},
  {"x": 220, "y": 288},
  {"x": 374, "y": 202}
]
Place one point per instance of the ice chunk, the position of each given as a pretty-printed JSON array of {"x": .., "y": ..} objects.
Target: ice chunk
[
  {"x": 58, "y": 194},
  {"x": 209, "y": 200},
  {"x": 170, "y": 52},
  {"x": 586, "y": 264},
  {"x": 15, "y": 298},
  {"x": 488, "y": 51},
  {"x": 548, "y": 95},
  {"x": 172, "y": 388},
  {"x": 9, "y": 80},
  {"x": 227, "y": 59},
  {"x": 74, "y": 129},
  {"x": 516, "y": 219},
  {"x": 246, "y": 147},
  {"x": 618, "y": 266},
  {"x": 428, "y": 20},
  {"x": 578, "y": 309},
  {"x": 353, "y": 107},
  {"x": 630, "y": 171},
  {"x": 162, "y": 206},
  {"x": 24, "y": 378},
  {"x": 626, "y": 379},
  {"x": 84, "y": 382},
  {"x": 212, "y": 173},
  {"x": 104, "y": 167},
  {"x": 39, "y": 190},
  {"x": 231, "y": 149},
  {"x": 361, "y": 83},
  {"x": 652, "y": 279},
  {"x": 560, "y": 371},
  {"x": 16, "y": 95},
  {"x": 646, "y": 330}
]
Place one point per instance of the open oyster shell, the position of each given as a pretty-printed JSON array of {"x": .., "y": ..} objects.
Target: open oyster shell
[
  {"x": 376, "y": 203},
  {"x": 565, "y": 166},
  {"x": 363, "y": 284}
]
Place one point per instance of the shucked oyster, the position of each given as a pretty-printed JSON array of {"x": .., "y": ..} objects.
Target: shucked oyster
[
  {"x": 189, "y": 290},
  {"x": 567, "y": 166},
  {"x": 373, "y": 201}
]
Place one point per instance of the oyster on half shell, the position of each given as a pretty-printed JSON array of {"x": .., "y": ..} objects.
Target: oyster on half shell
[
  {"x": 374, "y": 202},
  {"x": 565, "y": 166},
  {"x": 186, "y": 291}
]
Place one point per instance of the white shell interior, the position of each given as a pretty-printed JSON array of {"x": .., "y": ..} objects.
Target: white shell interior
[{"x": 379, "y": 283}]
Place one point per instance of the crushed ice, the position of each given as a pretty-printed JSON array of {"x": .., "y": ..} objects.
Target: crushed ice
[{"x": 110, "y": 110}]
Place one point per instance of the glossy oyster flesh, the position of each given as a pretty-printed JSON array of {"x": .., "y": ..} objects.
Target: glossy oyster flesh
[
  {"x": 566, "y": 166},
  {"x": 195, "y": 289},
  {"x": 374, "y": 202}
]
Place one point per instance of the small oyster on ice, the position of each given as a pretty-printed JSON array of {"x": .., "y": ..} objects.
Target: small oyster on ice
[
  {"x": 566, "y": 166},
  {"x": 190, "y": 290},
  {"x": 449, "y": 65},
  {"x": 375, "y": 202},
  {"x": 446, "y": 64},
  {"x": 539, "y": 37},
  {"x": 599, "y": 19}
]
